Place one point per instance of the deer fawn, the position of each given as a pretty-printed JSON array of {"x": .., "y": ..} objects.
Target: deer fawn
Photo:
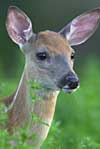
[{"x": 48, "y": 59}]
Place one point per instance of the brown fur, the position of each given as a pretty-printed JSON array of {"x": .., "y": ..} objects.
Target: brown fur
[
  {"x": 45, "y": 111},
  {"x": 19, "y": 112},
  {"x": 54, "y": 42},
  {"x": 19, "y": 115}
]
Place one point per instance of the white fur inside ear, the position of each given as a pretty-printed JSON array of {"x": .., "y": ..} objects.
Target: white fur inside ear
[
  {"x": 28, "y": 32},
  {"x": 72, "y": 29},
  {"x": 82, "y": 27},
  {"x": 18, "y": 25}
]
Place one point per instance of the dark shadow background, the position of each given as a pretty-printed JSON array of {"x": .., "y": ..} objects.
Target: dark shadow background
[{"x": 46, "y": 14}]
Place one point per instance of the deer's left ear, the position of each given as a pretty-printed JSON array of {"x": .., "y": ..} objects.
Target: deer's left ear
[{"x": 82, "y": 27}]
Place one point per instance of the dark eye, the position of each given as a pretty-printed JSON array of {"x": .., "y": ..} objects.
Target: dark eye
[
  {"x": 42, "y": 56},
  {"x": 72, "y": 56}
]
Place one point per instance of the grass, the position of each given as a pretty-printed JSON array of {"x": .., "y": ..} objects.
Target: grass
[{"x": 76, "y": 123}]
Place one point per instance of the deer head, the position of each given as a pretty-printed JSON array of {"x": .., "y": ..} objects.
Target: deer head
[{"x": 49, "y": 56}]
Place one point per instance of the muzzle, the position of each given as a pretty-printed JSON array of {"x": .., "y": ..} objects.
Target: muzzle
[{"x": 69, "y": 82}]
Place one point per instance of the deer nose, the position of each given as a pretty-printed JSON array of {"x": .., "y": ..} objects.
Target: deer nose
[
  {"x": 69, "y": 81},
  {"x": 72, "y": 82}
]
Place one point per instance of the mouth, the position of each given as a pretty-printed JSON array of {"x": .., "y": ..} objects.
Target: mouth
[{"x": 67, "y": 89}]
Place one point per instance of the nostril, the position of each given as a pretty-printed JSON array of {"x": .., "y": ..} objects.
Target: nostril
[{"x": 73, "y": 83}]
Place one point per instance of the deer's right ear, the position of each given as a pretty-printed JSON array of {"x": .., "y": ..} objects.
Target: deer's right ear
[{"x": 18, "y": 25}]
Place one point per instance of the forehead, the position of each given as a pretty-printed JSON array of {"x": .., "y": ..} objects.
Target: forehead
[{"x": 53, "y": 41}]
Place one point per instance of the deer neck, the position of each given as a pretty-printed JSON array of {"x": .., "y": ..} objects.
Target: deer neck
[{"x": 19, "y": 115}]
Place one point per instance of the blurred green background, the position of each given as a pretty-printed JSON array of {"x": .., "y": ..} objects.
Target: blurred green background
[{"x": 77, "y": 116}]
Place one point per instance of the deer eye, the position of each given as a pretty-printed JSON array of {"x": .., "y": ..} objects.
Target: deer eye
[
  {"x": 72, "y": 56},
  {"x": 42, "y": 56}
]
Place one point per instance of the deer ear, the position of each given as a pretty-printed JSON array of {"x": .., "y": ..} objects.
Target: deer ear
[
  {"x": 18, "y": 25},
  {"x": 82, "y": 27}
]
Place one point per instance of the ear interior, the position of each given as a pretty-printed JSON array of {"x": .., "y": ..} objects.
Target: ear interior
[
  {"x": 82, "y": 27},
  {"x": 18, "y": 25}
]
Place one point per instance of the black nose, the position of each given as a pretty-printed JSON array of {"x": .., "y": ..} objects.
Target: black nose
[{"x": 70, "y": 80}]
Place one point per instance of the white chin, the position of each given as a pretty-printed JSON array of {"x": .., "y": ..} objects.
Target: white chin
[{"x": 66, "y": 89}]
